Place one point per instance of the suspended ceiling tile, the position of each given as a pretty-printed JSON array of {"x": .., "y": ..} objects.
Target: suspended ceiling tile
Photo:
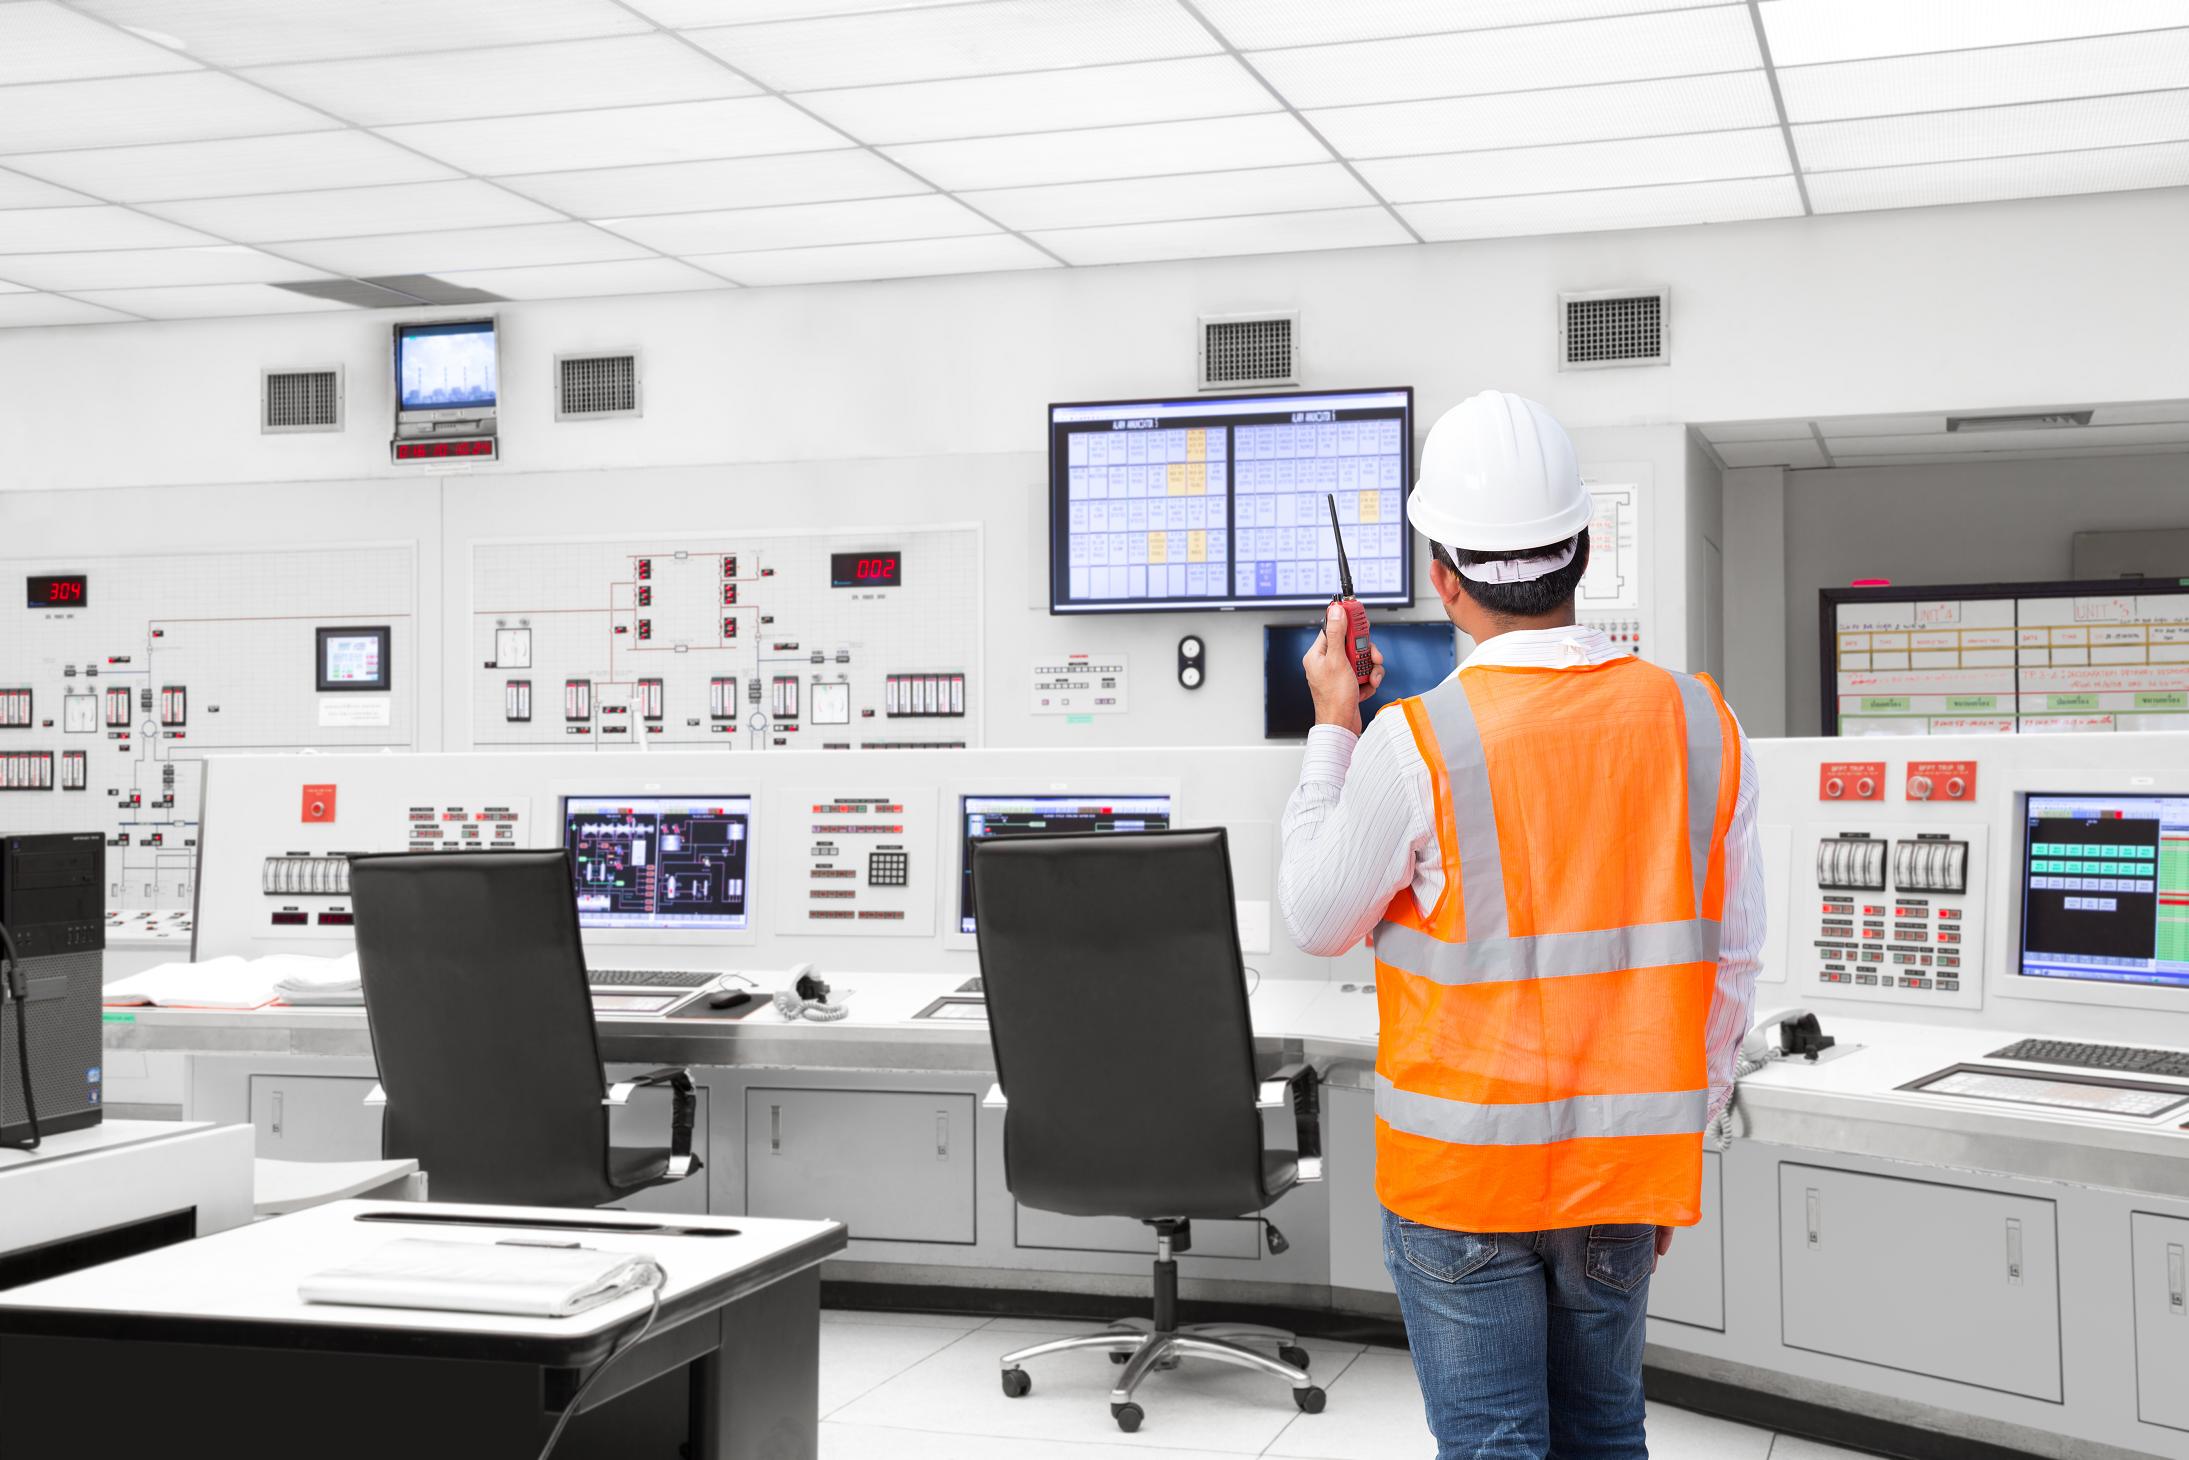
[
  {"x": 257, "y": 32},
  {"x": 1718, "y": 433},
  {"x": 1577, "y": 166},
  {"x": 246, "y": 165},
  {"x": 1681, "y": 203},
  {"x": 1219, "y": 237},
  {"x": 690, "y": 187},
  {"x": 583, "y": 281},
  {"x": 622, "y": 137},
  {"x": 2164, "y": 165},
  {"x": 688, "y": 13},
  {"x": 1799, "y": 452},
  {"x": 210, "y": 301},
  {"x": 1157, "y": 199},
  {"x": 745, "y": 230},
  {"x": 468, "y": 248},
  {"x": 846, "y": 263},
  {"x": 46, "y": 42},
  {"x": 1576, "y": 53},
  {"x": 1255, "y": 24},
  {"x": 8, "y": 288},
  {"x": 1156, "y": 149},
  {"x": 1046, "y": 101},
  {"x": 356, "y": 212},
  {"x": 1537, "y": 118},
  {"x": 2056, "y": 438},
  {"x": 22, "y": 311},
  {"x": 125, "y": 268},
  {"x": 52, "y": 230},
  {"x": 958, "y": 40},
  {"x": 140, "y": 109},
  {"x": 1957, "y": 79},
  {"x": 18, "y": 191},
  {"x": 1803, "y": 32},
  {"x": 434, "y": 85},
  {"x": 2002, "y": 131}
]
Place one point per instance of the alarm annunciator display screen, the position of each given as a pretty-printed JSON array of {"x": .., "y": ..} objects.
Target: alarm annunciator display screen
[{"x": 446, "y": 367}]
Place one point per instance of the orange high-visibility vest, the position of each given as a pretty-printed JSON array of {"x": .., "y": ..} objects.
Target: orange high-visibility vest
[{"x": 1542, "y": 1058}]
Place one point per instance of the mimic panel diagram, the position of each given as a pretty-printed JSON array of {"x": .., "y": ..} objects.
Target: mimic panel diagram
[
  {"x": 864, "y": 865},
  {"x": 144, "y": 666},
  {"x": 739, "y": 641},
  {"x": 1610, "y": 595}
]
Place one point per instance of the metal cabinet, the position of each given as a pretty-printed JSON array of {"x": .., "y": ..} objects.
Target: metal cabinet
[
  {"x": 2161, "y": 1255},
  {"x": 1349, "y": 1171},
  {"x": 314, "y": 1118},
  {"x": 644, "y": 1121},
  {"x": 1040, "y": 1229},
  {"x": 1689, "y": 1284},
  {"x": 893, "y": 1166},
  {"x": 1950, "y": 1281}
]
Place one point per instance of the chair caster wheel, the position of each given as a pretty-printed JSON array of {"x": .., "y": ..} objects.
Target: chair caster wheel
[
  {"x": 1016, "y": 1384},
  {"x": 1118, "y": 1358},
  {"x": 1309, "y": 1399},
  {"x": 1128, "y": 1416},
  {"x": 1294, "y": 1355}
]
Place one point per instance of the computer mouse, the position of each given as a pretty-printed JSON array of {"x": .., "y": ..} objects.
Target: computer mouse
[{"x": 730, "y": 999}]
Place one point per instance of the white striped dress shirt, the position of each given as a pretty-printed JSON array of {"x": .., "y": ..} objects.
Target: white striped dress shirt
[{"x": 1361, "y": 825}]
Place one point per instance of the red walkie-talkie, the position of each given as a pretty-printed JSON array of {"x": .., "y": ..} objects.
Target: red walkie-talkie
[{"x": 1356, "y": 617}]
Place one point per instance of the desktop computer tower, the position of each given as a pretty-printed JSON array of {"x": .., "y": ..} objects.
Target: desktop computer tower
[{"x": 52, "y": 901}]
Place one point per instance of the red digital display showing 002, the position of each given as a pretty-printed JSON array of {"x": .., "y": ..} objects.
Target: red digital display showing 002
[
  {"x": 867, "y": 570},
  {"x": 57, "y": 590}
]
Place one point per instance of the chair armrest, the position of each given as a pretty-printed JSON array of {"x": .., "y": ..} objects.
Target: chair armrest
[
  {"x": 1299, "y": 1085},
  {"x": 994, "y": 1099},
  {"x": 683, "y": 1112},
  {"x": 376, "y": 1095}
]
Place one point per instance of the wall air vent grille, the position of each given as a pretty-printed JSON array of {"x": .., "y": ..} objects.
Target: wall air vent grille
[
  {"x": 588, "y": 387},
  {"x": 299, "y": 400},
  {"x": 1248, "y": 351},
  {"x": 1607, "y": 327}
]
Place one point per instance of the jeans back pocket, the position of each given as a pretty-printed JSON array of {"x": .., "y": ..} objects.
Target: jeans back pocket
[
  {"x": 1621, "y": 1254},
  {"x": 1444, "y": 1255}
]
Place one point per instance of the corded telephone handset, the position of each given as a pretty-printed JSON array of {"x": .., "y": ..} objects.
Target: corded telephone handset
[
  {"x": 1799, "y": 1033},
  {"x": 807, "y": 997}
]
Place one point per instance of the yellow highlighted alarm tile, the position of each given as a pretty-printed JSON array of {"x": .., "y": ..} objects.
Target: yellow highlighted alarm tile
[
  {"x": 1371, "y": 507},
  {"x": 1197, "y": 446},
  {"x": 1158, "y": 548}
]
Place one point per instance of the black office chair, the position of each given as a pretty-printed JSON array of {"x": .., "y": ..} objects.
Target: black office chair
[
  {"x": 1117, "y": 1007},
  {"x": 482, "y": 1028}
]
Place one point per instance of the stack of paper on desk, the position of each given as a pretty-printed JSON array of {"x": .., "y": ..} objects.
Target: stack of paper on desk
[
  {"x": 483, "y": 1277},
  {"x": 305, "y": 980},
  {"x": 243, "y": 983}
]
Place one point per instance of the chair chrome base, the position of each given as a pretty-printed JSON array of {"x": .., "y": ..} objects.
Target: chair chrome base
[{"x": 1144, "y": 1349}]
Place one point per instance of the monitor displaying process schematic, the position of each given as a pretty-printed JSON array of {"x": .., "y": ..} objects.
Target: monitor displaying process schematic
[
  {"x": 661, "y": 863},
  {"x": 1224, "y": 502},
  {"x": 983, "y": 817},
  {"x": 2105, "y": 889}
]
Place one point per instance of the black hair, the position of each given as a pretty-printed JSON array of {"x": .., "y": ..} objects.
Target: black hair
[{"x": 1534, "y": 599}]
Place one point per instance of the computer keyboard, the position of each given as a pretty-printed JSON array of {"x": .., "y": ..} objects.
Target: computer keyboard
[
  {"x": 651, "y": 978},
  {"x": 2123, "y": 1058}
]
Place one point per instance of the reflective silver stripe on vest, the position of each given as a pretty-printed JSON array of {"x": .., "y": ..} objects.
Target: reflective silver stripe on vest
[
  {"x": 1464, "y": 1123},
  {"x": 1547, "y": 955},
  {"x": 1705, "y": 770},
  {"x": 1474, "y": 815}
]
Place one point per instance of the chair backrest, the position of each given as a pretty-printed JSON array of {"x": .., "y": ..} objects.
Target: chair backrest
[
  {"x": 482, "y": 1025},
  {"x": 1117, "y": 1006}
]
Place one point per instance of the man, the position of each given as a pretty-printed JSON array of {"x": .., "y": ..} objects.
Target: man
[{"x": 1555, "y": 850}]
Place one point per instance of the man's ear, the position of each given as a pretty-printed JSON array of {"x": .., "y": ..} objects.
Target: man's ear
[{"x": 1445, "y": 582}]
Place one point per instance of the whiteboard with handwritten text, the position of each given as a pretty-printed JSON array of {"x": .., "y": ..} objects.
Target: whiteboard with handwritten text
[{"x": 2018, "y": 659}]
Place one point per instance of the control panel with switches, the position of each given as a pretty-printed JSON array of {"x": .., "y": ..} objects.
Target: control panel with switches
[{"x": 1889, "y": 917}]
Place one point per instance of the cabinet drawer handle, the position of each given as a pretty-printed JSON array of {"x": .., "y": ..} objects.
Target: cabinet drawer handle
[
  {"x": 1813, "y": 1216},
  {"x": 942, "y": 1135},
  {"x": 2177, "y": 1290},
  {"x": 2014, "y": 1251},
  {"x": 277, "y": 1115},
  {"x": 775, "y": 1130}
]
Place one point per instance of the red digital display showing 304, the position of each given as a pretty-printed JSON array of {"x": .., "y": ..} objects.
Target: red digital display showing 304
[
  {"x": 866, "y": 570},
  {"x": 58, "y": 590}
]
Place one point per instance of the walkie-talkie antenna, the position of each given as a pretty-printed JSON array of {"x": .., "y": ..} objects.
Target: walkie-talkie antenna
[{"x": 1345, "y": 572}]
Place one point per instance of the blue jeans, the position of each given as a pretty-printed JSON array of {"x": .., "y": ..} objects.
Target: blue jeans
[{"x": 1528, "y": 1345}]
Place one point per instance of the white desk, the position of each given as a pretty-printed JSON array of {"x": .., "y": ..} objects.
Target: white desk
[{"x": 120, "y": 1173}]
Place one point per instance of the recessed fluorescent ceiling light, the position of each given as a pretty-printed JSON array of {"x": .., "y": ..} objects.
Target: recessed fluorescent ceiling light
[
  {"x": 1999, "y": 131},
  {"x": 124, "y": 268},
  {"x": 18, "y": 311},
  {"x": 851, "y": 262},
  {"x": 2156, "y": 61},
  {"x": 1575, "y": 53},
  {"x": 1760, "y": 152},
  {"x": 130, "y": 110},
  {"x": 2118, "y": 169},
  {"x": 434, "y": 86},
  {"x": 581, "y": 281},
  {"x": 743, "y": 230},
  {"x": 1219, "y": 237},
  {"x": 1159, "y": 199},
  {"x": 622, "y": 137},
  {"x": 468, "y": 248},
  {"x": 211, "y": 301},
  {"x": 685, "y": 13},
  {"x": 50, "y": 230},
  {"x": 2019, "y": 421},
  {"x": 742, "y": 182},
  {"x": 1253, "y": 24},
  {"x": 1680, "y": 203},
  {"x": 1536, "y": 118},
  {"x": 354, "y": 212},
  {"x": 1803, "y": 32},
  {"x": 958, "y": 40},
  {"x": 1046, "y": 101},
  {"x": 44, "y": 42},
  {"x": 256, "y": 32},
  {"x": 1153, "y": 150},
  {"x": 244, "y": 166}
]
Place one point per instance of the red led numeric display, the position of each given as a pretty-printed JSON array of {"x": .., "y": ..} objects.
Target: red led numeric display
[{"x": 880, "y": 569}]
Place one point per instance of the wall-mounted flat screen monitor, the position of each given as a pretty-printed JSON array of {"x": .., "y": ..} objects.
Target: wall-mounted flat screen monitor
[
  {"x": 450, "y": 366},
  {"x": 661, "y": 863},
  {"x": 1224, "y": 502},
  {"x": 2105, "y": 889},
  {"x": 1416, "y": 657},
  {"x": 983, "y": 817}
]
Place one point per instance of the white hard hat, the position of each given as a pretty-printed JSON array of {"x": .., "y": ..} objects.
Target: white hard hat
[{"x": 1498, "y": 474}]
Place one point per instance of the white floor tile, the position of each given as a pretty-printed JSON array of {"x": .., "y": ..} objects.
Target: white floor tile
[
  {"x": 1682, "y": 1434},
  {"x": 1786, "y": 1447},
  {"x": 1062, "y": 1326},
  {"x": 857, "y": 1357},
  {"x": 867, "y": 1442},
  {"x": 1374, "y": 1414},
  {"x": 1209, "y": 1407},
  {"x": 961, "y": 1322}
]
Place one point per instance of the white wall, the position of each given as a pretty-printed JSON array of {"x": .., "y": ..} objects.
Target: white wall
[
  {"x": 1754, "y": 503},
  {"x": 2008, "y": 522}
]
